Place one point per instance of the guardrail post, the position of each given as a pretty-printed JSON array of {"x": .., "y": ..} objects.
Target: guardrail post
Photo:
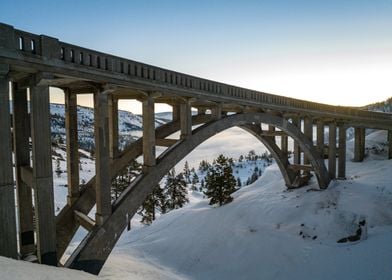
[{"x": 50, "y": 47}]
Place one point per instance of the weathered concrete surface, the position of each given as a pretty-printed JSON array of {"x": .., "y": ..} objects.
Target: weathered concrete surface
[
  {"x": 8, "y": 245},
  {"x": 42, "y": 175},
  {"x": 71, "y": 130},
  {"x": 21, "y": 121}
]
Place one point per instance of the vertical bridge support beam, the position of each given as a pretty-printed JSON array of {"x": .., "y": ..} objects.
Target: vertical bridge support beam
[
  {"x": 42, "y": 175},
  {"x": 102, "y": 165},
  {"x": 22, "y": 131},
  {"x": 332, "y": 150},
  {"x": 389, "y": 144},
  {"x": 342, "y": 152},
  {"x": 71, "y": 130},
  {"x": 8, "y": 243},
  {"x": 359, "y": 145},
  {"x": 113, "y": 127},
  {"x": 320, "y": 137},
  {"x": 308, "y": 131},
  {"x": 216, "y": 111},
  {"x": 149, "y": 159},
  {"x": 297, "y": 151},
  {"x": 186, "y": 120}
]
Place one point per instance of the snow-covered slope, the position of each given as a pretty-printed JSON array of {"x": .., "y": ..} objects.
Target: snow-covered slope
[{"x": 268, "y": 232}]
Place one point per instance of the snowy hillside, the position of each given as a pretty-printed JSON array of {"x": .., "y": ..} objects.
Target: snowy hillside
[
  {"x": 268, "y": 232},
  {"x": 130, "y": 125}
]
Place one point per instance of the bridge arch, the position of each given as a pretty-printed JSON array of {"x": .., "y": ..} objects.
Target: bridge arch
[{"x": 96, "y": 247}]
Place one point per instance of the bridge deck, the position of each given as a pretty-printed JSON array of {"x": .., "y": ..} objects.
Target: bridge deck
[{"x": 75, "y": 66}]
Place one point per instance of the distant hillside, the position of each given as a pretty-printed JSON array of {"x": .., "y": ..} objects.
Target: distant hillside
[
  {"x": 130, "y": 125},
  {"x": 384, "y": 106}
]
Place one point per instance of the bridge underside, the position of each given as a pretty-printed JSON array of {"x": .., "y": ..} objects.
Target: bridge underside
[{"x": 31, "y": 64}]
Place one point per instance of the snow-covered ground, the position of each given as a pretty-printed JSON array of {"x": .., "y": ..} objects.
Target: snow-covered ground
[{"x": 267, "y": 232}]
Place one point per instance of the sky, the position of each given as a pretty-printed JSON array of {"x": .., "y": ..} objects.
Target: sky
[{"x": 335, "y": 52}]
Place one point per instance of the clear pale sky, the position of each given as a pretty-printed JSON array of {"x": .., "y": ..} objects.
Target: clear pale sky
[{"x": 336, "y": 52}]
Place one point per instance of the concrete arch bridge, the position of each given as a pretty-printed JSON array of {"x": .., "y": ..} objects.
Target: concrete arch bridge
[{"x": 30, "y": 64}]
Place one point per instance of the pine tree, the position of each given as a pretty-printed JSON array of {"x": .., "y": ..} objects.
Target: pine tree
[
  {"x": 153, "y": 202},
  {"x": 202, "y": 185},
  {"x": 187, "y": 173},
  {"x": 239, "y": 182},
  {"x": 220, "y": 181},
  {"x": 195, "y": 180},
  {"x": 124, "y": 178},
  {"x": 58, "y": 168},
  {"x": 175, "y": 190}
]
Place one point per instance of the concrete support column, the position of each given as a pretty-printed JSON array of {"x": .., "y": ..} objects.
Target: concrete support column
[
  {"x": 148, "y": 133},
  {"x": 297, "y": 151},
  {"x": 42, "y": 175},
  {"x": 308, "y": 131},
  {"x": 8, "y": 243},
  {"x": 186, "y": 120},
  {"x": 342, "y": 152},
  {"x": 21, "y": 121},
  {"x": 284, "y": 144},
  {"x": 113, "y": 126},
  {"x": 332, "y": 150},
  {"x": 201, "y": 111},
  {"x": 102, "y": 164},
  {"x": 216, "y": 112},
  {"x": 176, "y": 112},
  {"x": 389, "y": 144},
  {"x": 359, "y": 145},
  {"x": 320, "y": 137},
  {"x": 71, "y": 130},
  {"x": 271, "y": 129}
]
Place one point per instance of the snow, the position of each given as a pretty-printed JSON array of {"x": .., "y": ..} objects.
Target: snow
[{"x": 267, "y": 232}]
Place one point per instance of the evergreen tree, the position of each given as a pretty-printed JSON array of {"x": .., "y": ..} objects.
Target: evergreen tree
[
  {"x": 187, "y": 173},
  {"x": 175, "y": 190},
  {"x": 58, "y": 168},
  {"x": 239, "y": 184},
  {"x": 220, "y": 181},
  {"x": 202, "y": 185},
  {"x": 124, "y": 178},
  {"x": 204, "y": 166},
  {"x": 154, "y": 201},
  {"x": 195, "y": 180}
]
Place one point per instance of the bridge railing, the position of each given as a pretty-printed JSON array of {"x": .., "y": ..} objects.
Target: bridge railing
[{"x": 71, "y": 54}]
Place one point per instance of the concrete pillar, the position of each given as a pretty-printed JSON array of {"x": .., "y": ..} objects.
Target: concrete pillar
[
  {"x": 42, "y": 175},
  {"x": 176, "y": 112},
  {"x": 113, "y": 126},
  {"x": 8, "y": 243},
  {"x": 284, "y": 144},
  {"x": 389, "y": 144},
  {"x": 216, "y": 112},
  {"x": 342, "y": 152},
  {"x": 71, "y": 130},
  {"x": 201, "y": 111},
  {"x": 359, "y": 144},
  {"x": 297, "y": 151},
  {"x": 21, "y": 121},
  {"x": 148, "y": 133},
  {"x": 271, "y": 129},
  {"x": 320, "y": 137},
  {"x": 308, "y": 131},
  {"x": 332, "y": 150},
  {"x": 186, "y": 120},
  {"x": 102, "y": 164}
]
